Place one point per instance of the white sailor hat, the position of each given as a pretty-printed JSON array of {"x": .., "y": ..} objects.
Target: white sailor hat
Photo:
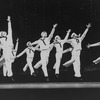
[
  {"x": 44, "y": 33},
  {"x": 75, "y": 35},
  {"x": 57, "y": 37}
]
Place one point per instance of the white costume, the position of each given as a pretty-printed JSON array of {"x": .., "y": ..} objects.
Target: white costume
[
  {"x": 44, "y": 44},
  {"x": 29, "y": 59},
  {"x": 12, "y": 58},
  {"x": 76, "y": 42},
  {"x": 7, "y": 46},
  {"x": 58, "y": 44}
]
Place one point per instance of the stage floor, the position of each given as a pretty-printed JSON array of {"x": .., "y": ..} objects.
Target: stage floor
[{"x": 62, "y": 85}]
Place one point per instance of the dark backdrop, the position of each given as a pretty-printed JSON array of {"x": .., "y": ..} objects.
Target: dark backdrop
[{"x": 31, "y": 17}]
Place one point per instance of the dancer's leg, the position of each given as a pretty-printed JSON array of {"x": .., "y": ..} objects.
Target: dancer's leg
[
  {"x": 97, "y": 60},
  {"x": 44, "y": 61},
  {"x": 4, "y": 70},
  {"x": 76, "y": 64},
  {"x": 58, "y": 61},
  {"x": 29, "y": 63},
  {"x": 25, "y": 67},
  {"x": 38, "y": 64},
  {"x": 9, "y": 68}
]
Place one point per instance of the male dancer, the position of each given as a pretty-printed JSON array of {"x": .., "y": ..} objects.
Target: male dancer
[
  {"x": 7, "y": 46},
  {"x": 58, "y": 44},
  {"x": 12, "y": 58},
  {"x": 30, "y": 55},
  {"x": 76, "y": 43},
  {"x": 96, "y": 61},
  {"x": 44, "y": 43}
]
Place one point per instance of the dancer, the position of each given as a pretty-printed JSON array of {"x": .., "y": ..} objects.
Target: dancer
[
  {"x": 96, "y": 61},
  {"x": 58, "y": 44},
  {"x": 76, "y": 43},
  {"x": 7, "y": 46},
  {"x": 12, "y": 58},
  {"x": 30, "y": 55},
  {"x": 44, "y": 44}
]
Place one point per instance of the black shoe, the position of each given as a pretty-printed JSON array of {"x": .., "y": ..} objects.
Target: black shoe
[
  {"x": 11, "y": 79},
  {"x": 47, "y": 79},
  {"x": 33, "y": 74},
  {"x": 57, "y": 75},
  {"x": 79, "y": 79}
]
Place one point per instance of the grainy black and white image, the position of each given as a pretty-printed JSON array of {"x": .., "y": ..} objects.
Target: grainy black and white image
[
  {"x": 49, "y": 41},
  {"x": 49, "y": 49}
]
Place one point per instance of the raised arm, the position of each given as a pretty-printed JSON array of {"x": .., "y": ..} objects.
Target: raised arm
[
  {"x": 9, "y": 36},
  {"x": 52, "y": 32},
  {"x": 93, "y": 45},
  {"x": 19, "y": 55},
  {"x": 85, "y": 32},
  {"x": 16, "y": 46},
  {"x": 67, "y": 35}
]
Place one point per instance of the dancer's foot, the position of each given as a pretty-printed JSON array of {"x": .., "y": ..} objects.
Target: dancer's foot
[
  {"x": 11, "y": 79},
  {"x": 57, "y": 75},
  {"x": 47, "y": 79},
  {"x": 24, "y": 69},
  {"x": 79, "y": 79}
]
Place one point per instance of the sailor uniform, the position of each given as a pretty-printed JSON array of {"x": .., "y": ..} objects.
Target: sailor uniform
[
  {"x": 75, "y": 59},
  {"x": 59, "y": 48},
  {"x": 45, "y": 51}
]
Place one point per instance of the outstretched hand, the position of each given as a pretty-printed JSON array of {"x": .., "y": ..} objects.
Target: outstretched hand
[
  {"x": 89, "y": 25},
  {"x": 88, "y": 46},
  {"x": 55, "y": 25},
  {"x": 17, "y": 39},
  {"x": 8, "y": 18},
  {"x": 14, "y": 57},
  {"x": 70, "y": 49},
  {"x": 69, "y": 30}
]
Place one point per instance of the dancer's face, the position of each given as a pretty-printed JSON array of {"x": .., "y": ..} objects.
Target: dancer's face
[
  {"x": 44, "y": 34},
  {"x": 29, "y": 44},
  {"x": 57, "y": 38}
]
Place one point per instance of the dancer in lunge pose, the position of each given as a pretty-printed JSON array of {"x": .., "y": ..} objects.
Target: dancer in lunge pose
[
  {"x": 44, "y": 43},
  {"x": 29, "y": 59},
  {"x": 58, "y": 44},
  {"x": 96, "y": 61},
  {"x": 76, "y": 43}
]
